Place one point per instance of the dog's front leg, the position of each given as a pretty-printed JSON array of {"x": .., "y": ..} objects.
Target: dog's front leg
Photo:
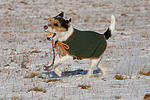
[{"x": 60, "y": 60}]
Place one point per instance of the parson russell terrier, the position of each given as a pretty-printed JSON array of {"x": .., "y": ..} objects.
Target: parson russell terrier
[{"x": 72, "y": 43}]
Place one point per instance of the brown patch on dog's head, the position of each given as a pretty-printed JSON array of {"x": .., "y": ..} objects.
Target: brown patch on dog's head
[{"x": 59, "y": 23}]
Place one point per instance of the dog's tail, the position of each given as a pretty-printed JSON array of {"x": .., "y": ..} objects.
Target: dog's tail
[{"x": 111, "y": 28}]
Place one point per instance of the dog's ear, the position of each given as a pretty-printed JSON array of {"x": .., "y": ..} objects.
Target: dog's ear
[
  {"x": 69, "y": 20},
  {"x": 61, "y": 14}
]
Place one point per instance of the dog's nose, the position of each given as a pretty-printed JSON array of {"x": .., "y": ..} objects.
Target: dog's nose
[{"x": 45, "y": 27}]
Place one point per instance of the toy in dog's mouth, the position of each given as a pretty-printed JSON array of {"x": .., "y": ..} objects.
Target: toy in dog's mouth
[{"x": 50, "y": 35}]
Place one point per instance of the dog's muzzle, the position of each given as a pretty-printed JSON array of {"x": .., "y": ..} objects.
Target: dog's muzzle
[{"x": 50, "y": 35}]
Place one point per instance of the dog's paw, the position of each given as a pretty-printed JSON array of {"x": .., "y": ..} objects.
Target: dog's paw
[
  {"x": 105, "y": 71},
  {"x": 89, "y": 75},
  {"x": 58, "y": 72}
]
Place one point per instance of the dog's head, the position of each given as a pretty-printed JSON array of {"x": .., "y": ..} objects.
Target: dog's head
[{"x": 57, "y": 25}]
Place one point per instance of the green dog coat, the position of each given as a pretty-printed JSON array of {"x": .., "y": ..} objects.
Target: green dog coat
[{"x": 85, "y": 44}]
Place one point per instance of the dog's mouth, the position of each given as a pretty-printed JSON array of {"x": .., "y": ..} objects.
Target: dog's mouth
[{"x": 50, "y": 35}]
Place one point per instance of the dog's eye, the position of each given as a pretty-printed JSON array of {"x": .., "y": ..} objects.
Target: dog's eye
[{"x": 56, "y": 24}]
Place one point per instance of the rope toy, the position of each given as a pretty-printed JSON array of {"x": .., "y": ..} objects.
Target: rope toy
[{"x": 46, "y": 68}]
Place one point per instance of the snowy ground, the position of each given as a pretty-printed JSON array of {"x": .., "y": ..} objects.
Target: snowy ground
[{"x": 24, "y": 50}]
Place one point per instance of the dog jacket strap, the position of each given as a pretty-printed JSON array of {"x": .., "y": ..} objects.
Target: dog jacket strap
[{"x": 60, "y": 46}]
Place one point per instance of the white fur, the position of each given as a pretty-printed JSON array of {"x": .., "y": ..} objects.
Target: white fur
[
  {"x": 59, "y": 60},
  {"x": 113, "y": 22},
  {"x": 63, "y": 36},
  {"x": 93, "y": 64},
  {"x": 66, "y": 34},
  {"x": 96, "y": 63},
  {"x": 58, "y": 71},
  {"x": 103, "y": 68}
]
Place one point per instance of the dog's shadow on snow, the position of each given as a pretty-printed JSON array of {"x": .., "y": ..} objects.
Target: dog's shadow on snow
[{"x": 52, "y": 74}]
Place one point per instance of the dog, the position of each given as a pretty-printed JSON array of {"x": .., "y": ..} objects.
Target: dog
[{"x": 72, "y": 43}]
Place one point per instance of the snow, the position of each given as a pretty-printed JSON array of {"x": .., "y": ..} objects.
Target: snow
[{"x": 25, "y": 50}]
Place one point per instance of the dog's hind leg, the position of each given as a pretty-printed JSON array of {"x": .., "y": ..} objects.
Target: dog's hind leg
[
  {"x": 94, "y": 63},
  {"x": 102, "y": 68}
]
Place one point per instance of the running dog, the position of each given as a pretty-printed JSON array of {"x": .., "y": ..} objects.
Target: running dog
[{"x": 72, "y": 43}]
